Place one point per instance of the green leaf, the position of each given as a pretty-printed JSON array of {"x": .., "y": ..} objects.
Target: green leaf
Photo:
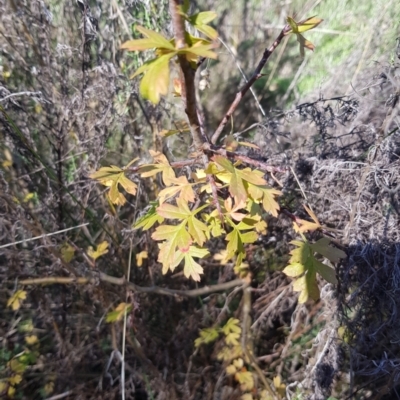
[
  {"x": 199, "y": 50},
  {"x": 322, "y": 246},
  {"x": 202, "y": 18},
  {"x": 303, "y": 262},
  {"x": 208, "y": 31}
]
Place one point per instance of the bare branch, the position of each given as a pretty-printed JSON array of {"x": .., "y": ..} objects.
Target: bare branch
[
  {"x": 139, "y": 289},
  {"x": 256, "y": 75}
]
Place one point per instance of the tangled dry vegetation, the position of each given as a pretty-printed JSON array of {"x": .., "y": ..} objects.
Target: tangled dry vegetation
[{"x": 68, "y": 108}]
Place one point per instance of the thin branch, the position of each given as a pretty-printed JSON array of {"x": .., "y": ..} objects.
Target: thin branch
[
  {"x": 243, "y": 75},
  {"x": 42, "y": 236},
  {"x": 245, "y": 159},
  {"x": 256, "y": 75},
  {"x": 37, "y": 95},
  {"x": 138, "y": 289}
]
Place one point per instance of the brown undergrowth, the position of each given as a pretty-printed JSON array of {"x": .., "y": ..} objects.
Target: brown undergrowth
[{"x": 66, "y": 111}]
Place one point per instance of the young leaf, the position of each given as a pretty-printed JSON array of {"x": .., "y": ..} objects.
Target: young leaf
[
  {"x": 200, "y": 21},
  {"x": 298, "y": 27},
  {"x": 198, "y": 50},
  {"x": 207, "y": 335},
  {"x": 15, "y": 300},
  {"x": 100, "y": 250},
  {"x": 118, "y": 313},
  {"x": 154, "y": 40},
  {"x": 302, "y": 225},
  {"x": 140, "y": 257},
  {"x": 231, "y": 326}
]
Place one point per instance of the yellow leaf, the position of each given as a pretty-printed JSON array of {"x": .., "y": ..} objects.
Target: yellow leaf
[
  {"x": 246, "y": 380},
  {"x": 279, "y": 386},
  {"x": 3, "y": 386},
  {"x": 101, "y": 250},
  {"x": 32, "y": 339},
  {"x": 155, "y": 81},
  {"x": 231, "y": 369},
  {"x": 179, "y": 185},
  {"x": 222, "y": 257},
  {"x": 67, "y": 252},
  {"x": 15, "y": 379},
  {"x": 11, "y": 391},
  {"x": 139, "y": 258},
  {"x": 15, "y": 300},
  {"x": 16, "y": 366},
  {"x": 49, "y": 388},
  {"x": 161, "y": 165},
  {"x": 302, "y": 225}
]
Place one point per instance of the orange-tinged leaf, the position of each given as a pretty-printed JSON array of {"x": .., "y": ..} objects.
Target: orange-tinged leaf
[
  {"x": 106, "y": 175},
  {"x": 140, "y": 257},
  {"x": 15, "y": 300},
  {"x": 246, "y": 380},
  {"x": 162, "y": 165},
  {"x": 180, "y": 185},
  {"x": 127, "y": 184},
  {"x": 192, "y": 269},
  {"x": 101, "y": 249},
  {"x": 302, "y": 225},
  {"x": 269, "y": 203}
]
